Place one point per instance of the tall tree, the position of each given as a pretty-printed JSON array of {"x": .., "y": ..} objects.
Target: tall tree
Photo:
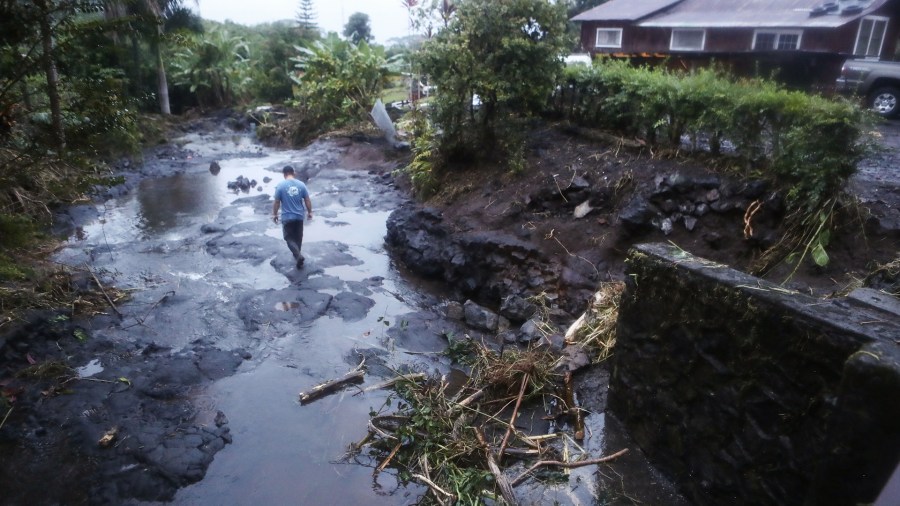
[
  {"x": 306, "y": 20},
  {"x": 150, "y": 18},
  {"x": 508, "y": 53},
  {"x": 46, "y": 14},
  {"x": 357, "y": 28}
]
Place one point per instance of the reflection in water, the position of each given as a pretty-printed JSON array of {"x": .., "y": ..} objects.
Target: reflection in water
[{"x": 164, "y": 202}]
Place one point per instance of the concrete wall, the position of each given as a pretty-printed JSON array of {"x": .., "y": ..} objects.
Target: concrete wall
[{"x": 747, "y": 393}]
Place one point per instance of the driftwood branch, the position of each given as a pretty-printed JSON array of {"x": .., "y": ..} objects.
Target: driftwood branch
[
  {"x": 573, "y": 408},
  {"x": 103, "y": 291},
  {"x": 515, "y": 413},
  {"x": 332, "y": 386},
  {"x": 7, "y": 416},
  {"x": 438, "y": 491},
  {"x": 387, "y": 461},
  {"x": 391, "y": 382},
  {"x": 506, "y": 489},
  {"x": 567, "y": 465},
  {"x": 470, "y": 399}
]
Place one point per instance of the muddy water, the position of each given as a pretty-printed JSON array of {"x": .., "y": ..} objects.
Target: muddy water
[{"x": 207, "y": 265}]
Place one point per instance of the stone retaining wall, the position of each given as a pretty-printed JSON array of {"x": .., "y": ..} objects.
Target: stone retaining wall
[{"x": 747, "y": 393}]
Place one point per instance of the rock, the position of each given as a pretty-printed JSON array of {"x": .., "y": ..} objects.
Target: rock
[
  {"x": 480, "y": 317},
  {"x": 530, "y": 331},
  {"x": 583, "y": 209},
  {"x": 517, "y": 308},
  {"x": 754, "y": 189},
  {"x": 690, "y": 222},
  {"x": 668, "y": 206},
  {"x": 712, "y": 195},
  {"x": 214, "y": 168},
  {"x": 572, "y": 359},
  {"x": 666, "y": 226},
  {"x": 578, "y": 184},
  {"x": 508, "y": 337},
  {"x": 267, "y": 180},
  {"x": 637, "y": 215},
  {"x": 453, "y": 310},
  {"x": 701, "y": 210},
  {"x": 554, "y": 342}
]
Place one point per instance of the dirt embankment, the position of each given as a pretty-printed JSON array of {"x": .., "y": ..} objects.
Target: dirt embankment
[{"x": 569, "y": 218}]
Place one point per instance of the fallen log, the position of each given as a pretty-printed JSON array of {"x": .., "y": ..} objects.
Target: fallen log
[
  {"x": 331, "y": 386},
  {"x": 567, "y": 465}
]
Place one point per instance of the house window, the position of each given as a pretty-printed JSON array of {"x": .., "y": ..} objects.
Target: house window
[
  {"x": 687, "y": 40},
  {"x": 609, "y": 37},
  {"x": 776, "y": 40},
  {"x": 870, "y": 37}
]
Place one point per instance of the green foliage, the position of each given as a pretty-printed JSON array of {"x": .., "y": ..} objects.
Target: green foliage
[
  {"x": 358, "y": 29},
  {"x": 273, "y": 47},
  {"x": 772, "y": 129},
  {"x": 216, "y": 67},
  {"x": 505, "y": 52},
  {"x": 421, "y": 169},
  {"x": 339, "y": 81},
  {"x": 16, "y": 230},
  {"x": 807, "y": 145},
  {"x": 306, "y": 20}
]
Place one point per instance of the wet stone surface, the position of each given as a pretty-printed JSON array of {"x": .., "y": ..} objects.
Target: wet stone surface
[{"x": 218, "y": 316}]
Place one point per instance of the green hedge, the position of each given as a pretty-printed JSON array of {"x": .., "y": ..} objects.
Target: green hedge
[{"x": 806, "y": 143}]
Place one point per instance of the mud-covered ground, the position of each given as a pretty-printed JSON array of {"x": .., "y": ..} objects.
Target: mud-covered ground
[
  {"x": 635, "y": 195},
  {"x": 220, "y": 331}
]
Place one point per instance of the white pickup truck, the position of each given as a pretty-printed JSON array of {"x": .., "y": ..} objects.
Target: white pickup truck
[{"x": 877, "y": 81}]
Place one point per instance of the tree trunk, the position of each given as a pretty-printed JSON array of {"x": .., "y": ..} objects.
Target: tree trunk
[
  {"x": 161, "y": 81},
  {"x": 137, "y": 79},
  {"x": 59, "y": 134}
]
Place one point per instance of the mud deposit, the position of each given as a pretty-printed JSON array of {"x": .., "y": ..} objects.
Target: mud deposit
[{"x": 188, "y": 391}]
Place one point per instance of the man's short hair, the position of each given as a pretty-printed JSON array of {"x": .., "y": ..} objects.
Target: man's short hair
[{"x": 287, "y": 170}]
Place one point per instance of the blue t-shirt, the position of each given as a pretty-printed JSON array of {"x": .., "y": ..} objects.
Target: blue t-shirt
[{"x": 291, "y": 193}]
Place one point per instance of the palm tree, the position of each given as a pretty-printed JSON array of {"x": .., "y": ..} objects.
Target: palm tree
[{"x": 154, "y": 12}]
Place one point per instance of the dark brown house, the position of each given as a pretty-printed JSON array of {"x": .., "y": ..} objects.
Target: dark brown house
[{"x": 803, "y": 42}]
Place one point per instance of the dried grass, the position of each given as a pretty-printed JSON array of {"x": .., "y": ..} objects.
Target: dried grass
[{"x": 597, "y": 334}]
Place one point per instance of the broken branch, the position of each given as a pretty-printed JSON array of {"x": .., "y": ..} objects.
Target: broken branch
[
  {"x": 106, "y": 295},
  {"x": 391, "y": 382},
  {"x": 567, "y": 465},
  {"x": 573, "y": 408},
  {"x": 515, "y": 412},
  {"x": 332, "y": 386},
  {"x": 502, "y": 482},
  {"x": 390, "y": 456},
  {"x": 433, "y": 486}
]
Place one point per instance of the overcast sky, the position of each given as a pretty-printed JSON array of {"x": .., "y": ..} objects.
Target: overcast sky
[{"x": 387, "y": 18}]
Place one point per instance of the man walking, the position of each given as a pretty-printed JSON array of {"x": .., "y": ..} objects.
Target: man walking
[{"x": 292, "y": 197}]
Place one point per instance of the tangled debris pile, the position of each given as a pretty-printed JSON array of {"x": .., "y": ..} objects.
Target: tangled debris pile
[{"x": 467, "y": 443}]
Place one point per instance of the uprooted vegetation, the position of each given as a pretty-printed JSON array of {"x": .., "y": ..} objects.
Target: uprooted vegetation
[{"x": 466, "y": 443}]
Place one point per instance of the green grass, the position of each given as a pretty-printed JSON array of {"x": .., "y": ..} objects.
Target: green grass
[{"x": 395, "y": 94}]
